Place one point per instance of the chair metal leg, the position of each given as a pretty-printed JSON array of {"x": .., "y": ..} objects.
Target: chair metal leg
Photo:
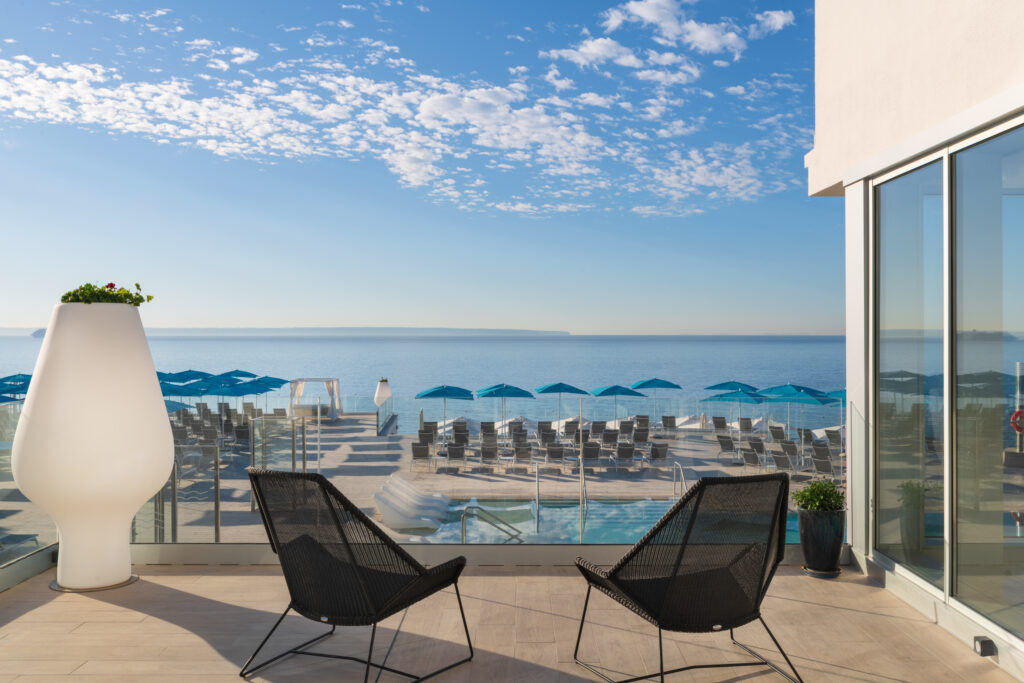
[
  {"x": 761, "y": 661},
  {"x": 764, "y": 661},
  {"x": 246, "y": 670},
  {"x": 369, "y": 655}
]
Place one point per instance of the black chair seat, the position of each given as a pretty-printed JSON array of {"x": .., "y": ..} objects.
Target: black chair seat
[
  {"x": 705, "y": 566},
  {"x": 341, "y": 569}
]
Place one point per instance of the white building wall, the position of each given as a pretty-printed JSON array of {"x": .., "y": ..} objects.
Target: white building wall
[{"x": 886, "y": 70}]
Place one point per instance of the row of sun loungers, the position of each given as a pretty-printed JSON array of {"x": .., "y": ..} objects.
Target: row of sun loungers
[{"x": 813, "y": 457}]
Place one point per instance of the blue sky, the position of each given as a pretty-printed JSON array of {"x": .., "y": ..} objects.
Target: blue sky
[{"x": 597, "y": 167}]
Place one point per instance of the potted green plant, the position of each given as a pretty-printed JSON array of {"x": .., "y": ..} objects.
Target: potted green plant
[
  {"x": 912, "y": 497},
  {"x": 821, "y": 511}
]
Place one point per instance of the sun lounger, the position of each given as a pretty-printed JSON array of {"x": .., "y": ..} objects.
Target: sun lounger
[
  {"x": 456, "y": 455},
  {"x": 777, "y": 433},
  {"x": 623, "y": 455},
  {"x": 642, "y": 421},
  {"x": 420, "y": 453},
  {"x": 658, "y": 456},
  {"x": 720, "y": 425},
  {"x": 668, "y": 423},
  {"x": 726, "y": 447},
  {"x": 750, "y": 458},
  {"x": 488, "y": 456},
  {"x": 625, "y": 430}
]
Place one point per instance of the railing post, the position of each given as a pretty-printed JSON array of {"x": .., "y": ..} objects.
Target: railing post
[
  {"x": 252, "y": 457},
  {"x": 216, "y": 491},
  {"x": 293, "y": 444},
  {"x": 174, "y": 503},
  {"x": 304, "y": 441}
]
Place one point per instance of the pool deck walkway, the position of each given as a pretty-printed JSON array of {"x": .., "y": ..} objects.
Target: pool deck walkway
[{"x": 199, "y": 624}]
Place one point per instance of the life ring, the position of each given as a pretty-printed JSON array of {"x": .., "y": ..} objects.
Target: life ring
[{"x": 1017, "y": 421}]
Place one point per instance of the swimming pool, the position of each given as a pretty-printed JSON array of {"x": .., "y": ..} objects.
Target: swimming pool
[{"x": 606, "y": 521}]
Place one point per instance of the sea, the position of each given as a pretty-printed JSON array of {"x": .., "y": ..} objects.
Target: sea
[{"x": 414, "y": 363}]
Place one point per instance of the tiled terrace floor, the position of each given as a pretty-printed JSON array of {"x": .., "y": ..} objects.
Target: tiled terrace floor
[{"x": 200, "y": 623}]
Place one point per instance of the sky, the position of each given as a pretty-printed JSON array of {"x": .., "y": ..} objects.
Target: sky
[{"x": 595, "y": 167}]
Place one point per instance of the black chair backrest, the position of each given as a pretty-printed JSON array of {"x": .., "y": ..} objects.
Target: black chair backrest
[
  {"x": 835, "y": 438},
  {"x": 339, "y": 566},
  {"x": 624, "y": 451},
  {"x": 807, "y": 437},
  {"x": 668, "y": 421},
  {"x": 597, "y": 429},
  {"x": 719, "y": 423},
  {"x": 726, "y": 444},
  {"x": 789, "y": 448},
  {"x": 523, "y": 453},
  {"x": 488, "y": 453},
  {"x": 577, "y": 436},
  {"x": 420, "y": 451},
  {"x": 822, "y": 465},
  {"x": 591, "y": 450},
  {"x": 430, "y": 426},
  {"x": 626, "y": 428},
  {"x": 659, "y": 451},
  {"x": 456, "y": 451},
  {"x": 750, "y": 457},
  {"x": 555, "y": 452},
  {"x": 547, "y": 437},
  {"x": 641, "y": 435},
  {"x": 745, "y": 424},
  {"x": 643, "y": 421},
  {"x": 461, "y": 438},
  {"x": 708, "y": 563},
  {"x": 822, "y": 451},
  {"x": 782, "y": 461},
  {"x": 758, "y": 446},
  {"x": 489, "y": 440},
  {"x": 610, "y": 437},
  {"x": 570, "y": 428},
  {"x": 486, "y": 428},
  {"x": 543, "y": 426},
  {"x": 778, "y": 433},
  {"x": 426, "y": 436}
]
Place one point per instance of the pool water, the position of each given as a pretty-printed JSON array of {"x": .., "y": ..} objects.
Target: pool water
[{"x": 606, "y": 521}]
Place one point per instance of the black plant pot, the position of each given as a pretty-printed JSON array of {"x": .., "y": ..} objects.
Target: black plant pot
[{"x": 821, "y": 538}]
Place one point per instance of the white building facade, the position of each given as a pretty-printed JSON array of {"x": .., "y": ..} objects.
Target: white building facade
[{"x": 919, "y": 125}]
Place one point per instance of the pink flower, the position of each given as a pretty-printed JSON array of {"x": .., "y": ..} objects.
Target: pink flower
[{"x": 110, "y": 285}]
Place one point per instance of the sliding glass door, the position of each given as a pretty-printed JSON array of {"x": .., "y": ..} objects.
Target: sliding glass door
[{"x": 909, "y": 415}]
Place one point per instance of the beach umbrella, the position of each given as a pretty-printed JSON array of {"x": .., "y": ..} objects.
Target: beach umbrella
[
  {"x": 237, "y": 374},
  {"x": 12, "y": 389},
  {"x": 272, "y": 382},
  {"x": 801, "y": 399},
  {"x": 175, "y": 406},
  {"x": 739, "y": 396},
  {"x": 790, "y": 390},
  {"x": 615, "y": 390},
  {"x": 20, "y": 378},
  {"x": 445, "y": 392},
  {"x": 164, "y": 376},
  {"x": 731, "y": 385},
  {"x": 8, "y": 399},
  {"x": 654, "y": 384},
  {"x": 562, "y": 388},
  {"x": 503, "y": 391},
  {"x": 184, "y": 376}
]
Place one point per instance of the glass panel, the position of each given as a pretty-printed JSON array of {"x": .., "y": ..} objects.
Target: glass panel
[
  {"x": 989, "y": 223},
  {"x": 24, "y": 528},
  {"x": 910, "y": 371}
]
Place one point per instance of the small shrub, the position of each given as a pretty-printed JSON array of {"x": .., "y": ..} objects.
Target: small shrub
[
  {"x": 107, "y": 294},
  {"x": 822, "y": 495}
]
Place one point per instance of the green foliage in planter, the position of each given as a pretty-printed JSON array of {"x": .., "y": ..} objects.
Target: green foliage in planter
[
  {"x": 822, "y": 495},
  {"x": 108, "y": 294},
  {"x": 913, "y": 492}
]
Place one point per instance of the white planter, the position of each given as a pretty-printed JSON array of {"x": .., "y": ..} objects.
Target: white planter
[{"x": 93, "y": 442}]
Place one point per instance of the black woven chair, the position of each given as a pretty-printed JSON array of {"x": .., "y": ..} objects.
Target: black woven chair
[
  {"x": 704, "y": 567},
  {"x": 340, "y": 568}
]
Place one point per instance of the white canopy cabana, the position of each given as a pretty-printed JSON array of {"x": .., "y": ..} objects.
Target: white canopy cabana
[{"x": 298, "y": 388}]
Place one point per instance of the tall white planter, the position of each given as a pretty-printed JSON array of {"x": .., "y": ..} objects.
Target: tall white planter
[{"x": 93, "y": 442}]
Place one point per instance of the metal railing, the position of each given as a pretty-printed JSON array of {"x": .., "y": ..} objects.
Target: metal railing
[
  {"x": 513, "y": 534},
  {"x": 678, "y": 482}
]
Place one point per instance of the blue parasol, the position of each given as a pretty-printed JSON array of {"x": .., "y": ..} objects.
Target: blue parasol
[
  {"x": 731, "y": 385},
  {"x": 562, "y": 388},
  {"x": 616, "y": 390},
  {"x": 445, "y": 392},
  {"x": 503, "y": 391},
  {"x": 654, "y": 384}
]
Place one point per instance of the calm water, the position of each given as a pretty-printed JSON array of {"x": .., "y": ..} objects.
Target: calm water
[{"x": 413, "y": 364}]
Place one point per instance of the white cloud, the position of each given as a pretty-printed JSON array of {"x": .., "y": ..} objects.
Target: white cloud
[
  {"x": 516, "y": 207},
  {"x": 243, "y": 55},
  {"x": 736, "y": 90},
  {"x": 554, "y": 77},
  {"x": 423, "y": 8},
  {"x": 686, "y": 73},
  {"x": 10, "y": 41},
  {"x": 516, "y": 36},
  {"x": 218, "y": 64},
  {"x": 595, "y": 51},
  {"x": 592, "y": 99},
  {"x": 721, "y": 63},
  {"x": 770, "y": 22},
  {"x": 672, "y": 26}
]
